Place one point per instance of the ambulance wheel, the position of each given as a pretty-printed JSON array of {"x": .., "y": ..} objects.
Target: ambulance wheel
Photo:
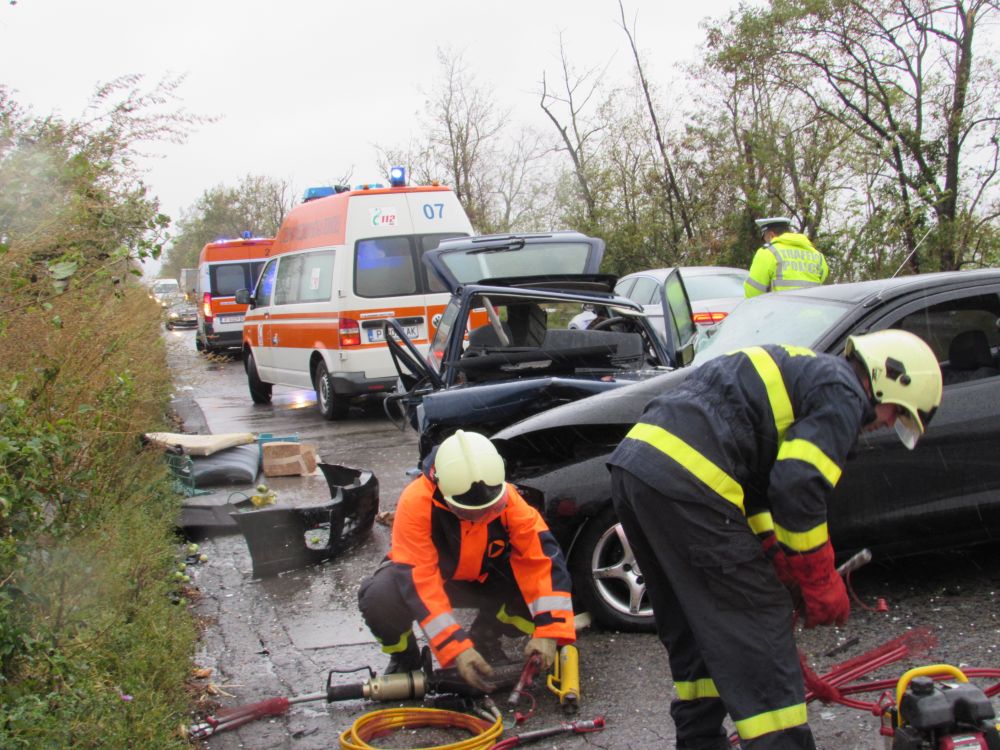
[
  {"x": 260, "y": 391},
  {"x": 607, "y": 579},
  {"x": 198, "y": 345},
  {"x": 331, "y": 406}
]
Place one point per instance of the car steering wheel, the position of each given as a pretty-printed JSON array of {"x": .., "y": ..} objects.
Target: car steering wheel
[{"x": 627, "y": 324}]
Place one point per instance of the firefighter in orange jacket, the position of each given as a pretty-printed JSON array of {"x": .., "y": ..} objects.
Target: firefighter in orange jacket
[{"x": 463, "y": 537}]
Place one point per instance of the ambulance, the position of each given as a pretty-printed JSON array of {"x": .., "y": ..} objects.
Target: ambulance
[
  {"x": 342, "y": 262},
  {"x": 223, "y": 267}
]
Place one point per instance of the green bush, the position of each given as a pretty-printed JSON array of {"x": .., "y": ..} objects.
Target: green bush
[{"x": 93, "y": 651}]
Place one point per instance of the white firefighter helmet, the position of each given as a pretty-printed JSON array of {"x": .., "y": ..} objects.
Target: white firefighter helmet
[
  {"x": 470, "y": 474},
  {"x": 903, "y": 371}
]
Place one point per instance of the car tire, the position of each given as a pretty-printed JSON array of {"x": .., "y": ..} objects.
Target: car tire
[
  {"x": 260, "y": 391},
  {"x": 198, "y": 344},
  {"x": 331, "y": 406},
  {"x": 168, "y": 326},
  {"x": 606, "y": 577}
]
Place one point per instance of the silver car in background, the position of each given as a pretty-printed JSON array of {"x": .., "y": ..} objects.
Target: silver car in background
[{"x": 713, "y": 291}]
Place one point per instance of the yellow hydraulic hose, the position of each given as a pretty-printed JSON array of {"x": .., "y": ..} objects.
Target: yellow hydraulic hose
[{"x": 377, "y": 723}]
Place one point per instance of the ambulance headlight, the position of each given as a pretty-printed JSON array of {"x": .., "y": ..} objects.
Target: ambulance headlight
[{"x": 397, "y": 176}]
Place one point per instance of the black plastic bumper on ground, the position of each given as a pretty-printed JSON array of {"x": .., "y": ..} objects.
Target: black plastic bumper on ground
[{"x": 282, "y": 539}]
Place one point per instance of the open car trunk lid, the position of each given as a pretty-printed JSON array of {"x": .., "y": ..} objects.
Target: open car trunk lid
[{"x": 477, "y": 260}]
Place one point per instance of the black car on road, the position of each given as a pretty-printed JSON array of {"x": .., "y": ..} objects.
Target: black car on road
[
  {"x": 944, "y": 494},
  {"x": 503, "y": 348}
]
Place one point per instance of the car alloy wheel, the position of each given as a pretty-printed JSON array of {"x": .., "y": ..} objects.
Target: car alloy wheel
[{"x": 607, "y": 578}]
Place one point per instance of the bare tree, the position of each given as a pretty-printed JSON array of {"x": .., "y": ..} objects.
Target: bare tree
[
  {"x": 578, "y": 132},
  {"x": 900, "y": 73},
  {"x": 677, "y": 203}
]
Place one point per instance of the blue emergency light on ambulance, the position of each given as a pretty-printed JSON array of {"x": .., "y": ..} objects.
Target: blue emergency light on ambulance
[
  {"x": 397, "y": 176},
  {"x": 318, "y": 192}
]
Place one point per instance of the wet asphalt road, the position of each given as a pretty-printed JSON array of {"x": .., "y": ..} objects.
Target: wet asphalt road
[{"x": 281, "y": 636}]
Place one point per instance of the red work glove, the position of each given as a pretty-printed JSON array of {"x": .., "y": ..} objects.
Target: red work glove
[
  {"x": 823, "y": 592},
  {"x": 778, "y": 558}
]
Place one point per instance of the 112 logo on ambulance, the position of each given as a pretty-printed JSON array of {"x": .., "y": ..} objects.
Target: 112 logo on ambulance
[{"x": 382, "y": 217}]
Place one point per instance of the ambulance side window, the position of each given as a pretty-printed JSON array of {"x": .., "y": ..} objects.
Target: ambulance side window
[
  {"x": 265, "y": 288},
  {"x": 315, "y": 277},
  {"x": 287, "y": 282},
  {"x": 383, "y": 267}
]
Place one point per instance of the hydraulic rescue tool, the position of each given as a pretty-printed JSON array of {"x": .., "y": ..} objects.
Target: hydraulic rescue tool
[
  {"x": 388, "y": 687},
  {"x": 526, "y": 680},
  {"x": 565, "y": 682}
]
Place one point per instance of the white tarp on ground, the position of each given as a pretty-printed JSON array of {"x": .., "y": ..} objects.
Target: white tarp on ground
[{"x": 199, "y": 445}]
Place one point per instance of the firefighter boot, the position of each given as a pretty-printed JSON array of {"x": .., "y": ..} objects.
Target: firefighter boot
[{"x": 407, "y": 660}]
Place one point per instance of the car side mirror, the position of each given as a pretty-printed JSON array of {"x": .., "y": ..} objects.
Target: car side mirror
[{"x": 243, "y": 297}]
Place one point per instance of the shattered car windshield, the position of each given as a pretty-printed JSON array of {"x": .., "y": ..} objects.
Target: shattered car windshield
[
  {"x": 771, "y": 319},
  {"x": 545, "y": 259}
]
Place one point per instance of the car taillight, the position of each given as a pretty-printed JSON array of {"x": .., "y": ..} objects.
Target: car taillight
[
  {"x": 708, "y": 318},
  {"x": 350, "y": 332},
  {"x": 206, "y": 307}
]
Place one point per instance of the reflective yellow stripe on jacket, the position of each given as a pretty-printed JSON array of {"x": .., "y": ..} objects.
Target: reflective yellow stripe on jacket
[{"x": 706, "y": 471}]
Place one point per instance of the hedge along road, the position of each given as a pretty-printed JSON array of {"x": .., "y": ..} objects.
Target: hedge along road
[{"x": 280, "y": 636}]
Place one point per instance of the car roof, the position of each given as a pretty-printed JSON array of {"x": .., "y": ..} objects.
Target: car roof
[
  {"x": 858, "y": 291},
  {"x": 661, "y": 273}
]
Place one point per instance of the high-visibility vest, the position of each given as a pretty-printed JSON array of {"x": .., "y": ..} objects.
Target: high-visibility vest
[{"x": 788, "y": 262}]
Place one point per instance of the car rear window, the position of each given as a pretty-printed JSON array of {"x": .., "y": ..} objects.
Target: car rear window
[
  {"x": 226, "y": 278},
  {"x": 712, "y": 287},
  {"x": 541, "y": 259}
]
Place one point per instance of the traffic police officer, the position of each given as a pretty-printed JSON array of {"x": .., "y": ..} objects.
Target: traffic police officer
[
  {"x": 721, "y": 489},
  {"x": 786, "y": 260},
  {"x": 463, "y": 537}
]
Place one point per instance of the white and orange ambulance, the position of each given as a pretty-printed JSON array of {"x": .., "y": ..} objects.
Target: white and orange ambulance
[
  {"x": 342, "y": 262},
  {"x": 223, "y": 267}
]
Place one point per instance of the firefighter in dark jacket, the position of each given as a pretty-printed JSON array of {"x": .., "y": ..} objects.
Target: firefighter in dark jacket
[
  {"x": 722, "y": 488},
  {"x": 463, "y": 537}
]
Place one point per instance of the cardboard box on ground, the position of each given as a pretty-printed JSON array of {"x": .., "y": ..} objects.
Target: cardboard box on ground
[{"x": 281, "y": 459}]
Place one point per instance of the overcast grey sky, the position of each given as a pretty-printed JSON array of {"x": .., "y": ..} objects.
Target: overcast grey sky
[{"x": 303, "y": 89}]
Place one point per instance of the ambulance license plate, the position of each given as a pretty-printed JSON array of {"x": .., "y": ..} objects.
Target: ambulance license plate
[
  {"x": 375, "y": 334},
  {"x": 230, "y": 318}
]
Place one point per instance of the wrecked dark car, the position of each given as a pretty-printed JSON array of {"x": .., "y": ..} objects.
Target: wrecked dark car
[
  {"x": 944, "y": 494},
  {"x": 503, "y": 349}
]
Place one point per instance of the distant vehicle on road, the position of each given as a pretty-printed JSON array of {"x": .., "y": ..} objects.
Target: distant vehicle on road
[
  {"x": 161, "y": 287},
  {"x": 181, "y": 314},
  {"x": 224, "y": 267},
  {"x": 189, "y": 284}
]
